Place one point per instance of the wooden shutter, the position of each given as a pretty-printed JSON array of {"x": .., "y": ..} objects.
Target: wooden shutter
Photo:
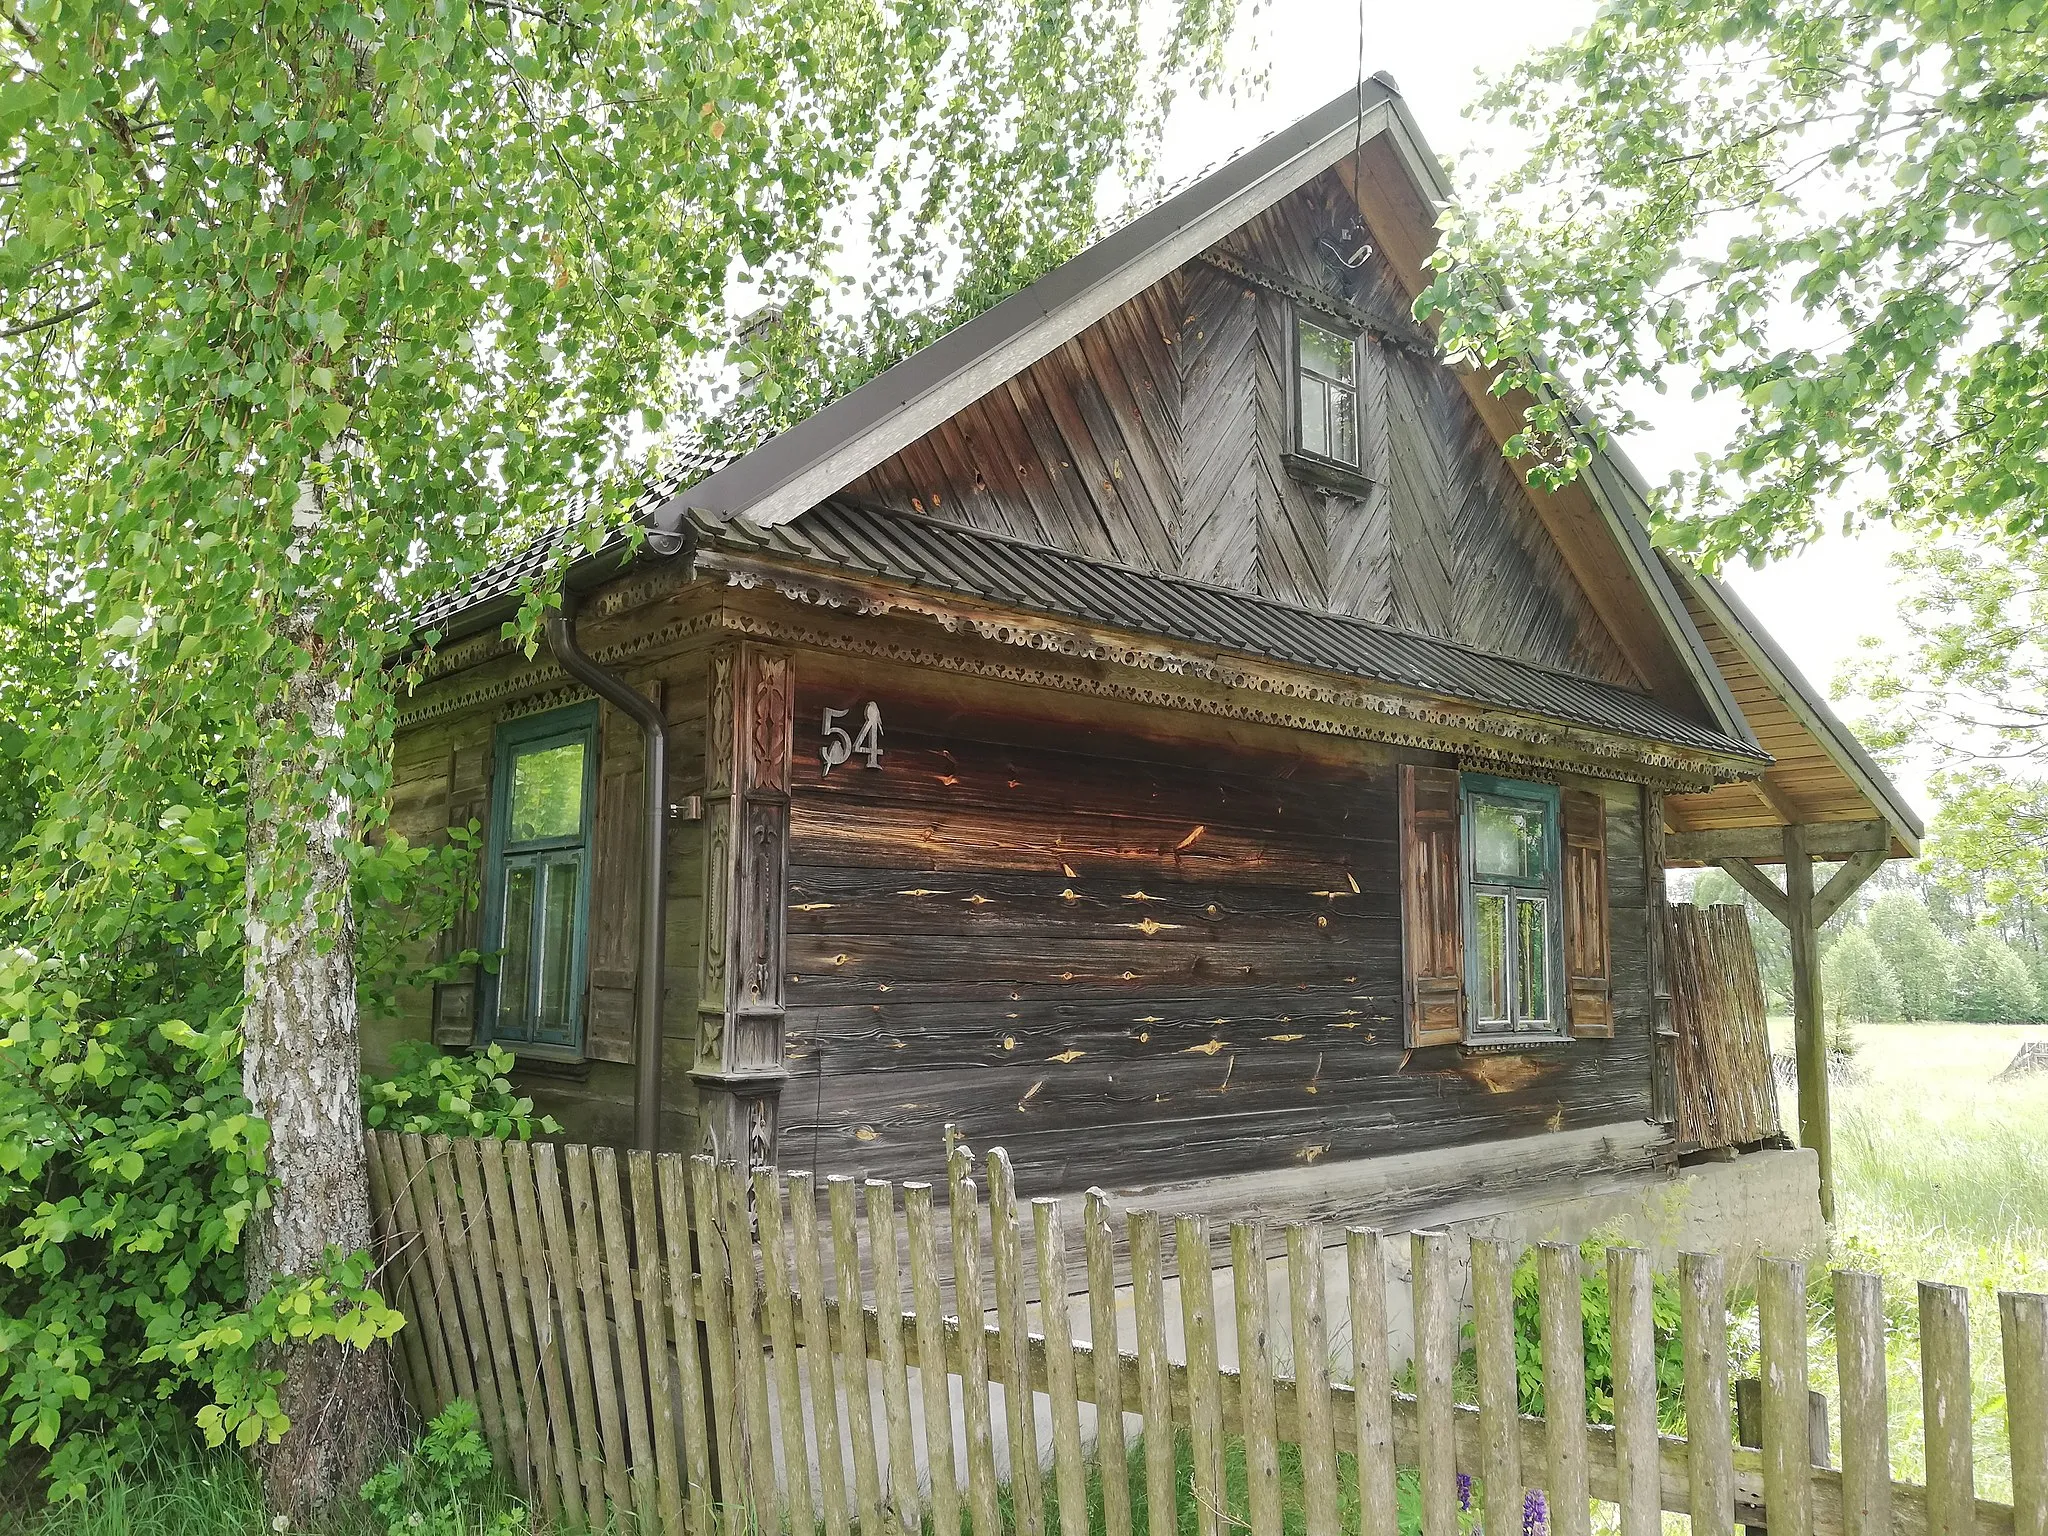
[
  {"x": 1588, "y": 963},
  {"x": 618, "y": 838},
  {"x": 1432, "y": 906}
]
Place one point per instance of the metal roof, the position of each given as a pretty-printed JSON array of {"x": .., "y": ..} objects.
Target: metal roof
[{"x": 930, "y": 554}]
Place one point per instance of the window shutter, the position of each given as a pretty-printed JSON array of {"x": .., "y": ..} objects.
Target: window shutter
[
  {"x": 1588, "y": 967},
  {"x": 1433, "y": 926}
]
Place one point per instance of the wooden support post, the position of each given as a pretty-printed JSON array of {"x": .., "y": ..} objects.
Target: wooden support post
[
  {"x": 1809, "y": 1031},
  {"x": 1663, "y": 1032},
  {"x": 739, "y": 1067}
]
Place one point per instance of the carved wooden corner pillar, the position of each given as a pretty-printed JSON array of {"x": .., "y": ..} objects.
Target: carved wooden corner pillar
[{"x": 739, "y": 1068}]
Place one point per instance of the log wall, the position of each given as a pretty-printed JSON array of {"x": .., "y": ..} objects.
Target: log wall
[{"x": 1106, "y": 949}]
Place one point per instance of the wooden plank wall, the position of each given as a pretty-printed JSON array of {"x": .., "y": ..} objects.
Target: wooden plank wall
[
  {"x": 441, "y": 774},
  {"x": 1156, "y": 439},
  {"x": 1104, "y": 952}
]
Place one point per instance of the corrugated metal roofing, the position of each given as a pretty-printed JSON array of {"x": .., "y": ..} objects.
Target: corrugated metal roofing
[
  {"x": 927, "y": 553},
  {"x": 691, "y": 460}
]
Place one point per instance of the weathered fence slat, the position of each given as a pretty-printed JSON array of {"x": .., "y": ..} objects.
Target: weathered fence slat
[
  {"x": 888, "y": 1267},
  {"x": 466, "y": 1188},
  {"x": 974, "y": 1380},
  {"x": 716, "y": 1267},
  {"x": 1493, "y": 1349},
  {"x": 560, "y": 1257},
  {"x": 585, "y": 1301},
  {"x": 598, "y": 1324},
  {"x": 1946, "y": 1408},
  {"x": 2023, "y": 1331},
  {"x": 1099, "y": 1243},
  {"x": 1788, "y": 1443},
  {"x": 1632, "y": 1348},
  {"x": 1155, "y": 1402},
  {"x": 522, "y": 1169},
  {"x": 1205, "y": 1388},
  {"x": 1703, "y": 1326},
  {"x": 1255, "y": 1374},
  {"x": 1865, "y": 1413},
  {"x": 851, "y": 1361},
  {"x": 1027, "y": 1495},
  {"x": 1310, "y": 1339},
  {"x": 509, "y": 1264},
  {"x": 1061, "y": 1387},
  {"x": 653, "y": 1275},
  {"x": 818, "y": 1357},
  {"x": 1372, "y": 1383},
  {"x": 396, "y": 1242},
  {"x": 789, "y": 1395},
  {"x": 1436, "y": 1354},
  {"x": 446, "y": 1349},
  {"x": 934, "y": 1379},
  {"x": 625, "y": 1333},
  {"x": 1564, "y": 1386}
]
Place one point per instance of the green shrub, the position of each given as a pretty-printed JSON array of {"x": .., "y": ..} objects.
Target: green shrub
[
  {"x": 444, "y": 1485},
  {"x": 1859, "y": 983},
  {"x": 469, "y": 1094},
  {"x": 1668, "y": 1348},
  {"x": 129, "y": 1161},
  {"x": 1921, "y": 955}
]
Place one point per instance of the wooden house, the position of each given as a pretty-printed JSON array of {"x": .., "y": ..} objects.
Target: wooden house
[{"x": 1152, "y": 728}]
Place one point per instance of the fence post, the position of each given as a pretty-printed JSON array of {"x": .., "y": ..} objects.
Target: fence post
[
  {"x": 1205, "y": 1388},
  {"x": 1564, "y": 1387},
  {"x": 1436, "y": 1355},
  {"x": 1787, "y": 1431},
  {"x": 2023, "y": 1329},
  {"x": 1098, "y": 1241},
  {"x": 1255, "y": 1375},
  {"x": 1148, "y": 1301},
  {"x": 1710, "y": 1464},
  {"x": 1312, "y": 1377},
  {"x": 1372, "y": 1384},
  {"x": 1633, "y": 1353},
  {"x": 1945, "y": 1401},
  {"x": 1860, "y": 1367}
]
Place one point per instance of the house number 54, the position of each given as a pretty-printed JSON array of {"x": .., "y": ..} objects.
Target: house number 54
[{"x": 838, "y": 746}]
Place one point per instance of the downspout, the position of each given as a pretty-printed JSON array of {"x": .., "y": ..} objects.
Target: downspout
[{"x": 561, "y": 632}]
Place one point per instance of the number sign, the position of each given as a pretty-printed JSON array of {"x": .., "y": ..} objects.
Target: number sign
[{"x": 838, "y": 746}]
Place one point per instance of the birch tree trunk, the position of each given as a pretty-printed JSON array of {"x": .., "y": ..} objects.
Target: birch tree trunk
[{"x": 300, "y": 1063}]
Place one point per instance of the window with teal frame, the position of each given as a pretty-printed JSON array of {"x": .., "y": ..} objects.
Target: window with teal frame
[
  {"x": 1513, "y": 910},
  {"x": 537, "y": 885}
]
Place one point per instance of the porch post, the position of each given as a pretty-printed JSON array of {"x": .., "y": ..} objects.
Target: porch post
[{"x": 1809, "y": 1031}]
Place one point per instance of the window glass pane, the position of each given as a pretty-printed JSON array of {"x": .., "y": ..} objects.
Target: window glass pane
[
  {"x": 1344, "y": 425},
  {"x": 1315, "y": 427},
  {"x": 547, "y": 793},
  {"x": 515, "y": 966},
  {"x": 1508, "y": 839},
  {"x": 1532, "y": 961},
  {"x": 1325, "y": 352},
  {"x": 557, "y": 949},
  {"x": 1492, "y": 914}
]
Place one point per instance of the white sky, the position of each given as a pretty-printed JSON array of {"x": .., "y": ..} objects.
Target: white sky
[{"x": 1816, "y": 605}]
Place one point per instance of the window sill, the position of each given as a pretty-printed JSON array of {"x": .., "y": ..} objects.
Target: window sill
[
  {"x": 1327, "y": 474},
  {"x": 549, "y": 1062},
  {"x": 1498, "y": 1046}
]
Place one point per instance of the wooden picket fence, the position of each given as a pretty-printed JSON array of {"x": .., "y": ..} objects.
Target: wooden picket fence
[{"x": 554, "y": 1294}]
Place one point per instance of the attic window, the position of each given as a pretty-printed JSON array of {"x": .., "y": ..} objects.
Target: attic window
[{"x": 1326, "y": 393}]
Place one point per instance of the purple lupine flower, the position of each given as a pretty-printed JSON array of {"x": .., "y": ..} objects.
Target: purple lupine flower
[
  {"x": 1535, "y": 1514},
  {"x": 1465, "y": 1492}
]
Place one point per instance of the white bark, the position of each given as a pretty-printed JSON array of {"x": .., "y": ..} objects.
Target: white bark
[{"x": 300, "y": 1064}]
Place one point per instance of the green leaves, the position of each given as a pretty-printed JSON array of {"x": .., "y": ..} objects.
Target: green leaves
[{"x": 1829, "y": 211}]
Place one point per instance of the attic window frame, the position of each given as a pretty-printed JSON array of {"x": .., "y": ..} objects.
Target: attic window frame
[{"x": 1306, "y": 464}]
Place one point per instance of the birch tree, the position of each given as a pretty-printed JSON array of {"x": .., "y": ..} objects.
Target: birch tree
[{"x": 303, "y": 305}]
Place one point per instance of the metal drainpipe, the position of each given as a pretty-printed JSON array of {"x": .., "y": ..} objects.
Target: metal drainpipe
[{"x": 561, "y": 632}]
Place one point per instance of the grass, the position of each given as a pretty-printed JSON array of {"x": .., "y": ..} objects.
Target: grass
[{"x": 1941, "y": 1174}]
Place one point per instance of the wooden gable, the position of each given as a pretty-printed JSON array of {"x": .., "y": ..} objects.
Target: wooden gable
[{"x": 1158, "y": 436}]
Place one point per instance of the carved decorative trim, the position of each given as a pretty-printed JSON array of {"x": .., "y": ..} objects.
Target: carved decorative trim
[
  {"x": 1382, "y": 328},
  {"x": 1394, "y": 719},
  {"x": 1404, "y": 721}
]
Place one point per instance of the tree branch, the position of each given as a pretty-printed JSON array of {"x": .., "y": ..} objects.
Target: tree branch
[{"x": 47, "y": 321}]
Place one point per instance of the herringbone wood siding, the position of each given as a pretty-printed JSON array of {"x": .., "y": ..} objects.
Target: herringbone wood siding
[{"x": 1156, "y": 438}]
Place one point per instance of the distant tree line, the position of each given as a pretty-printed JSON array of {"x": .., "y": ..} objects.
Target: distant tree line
[{"x": 1918, "y": 947}]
